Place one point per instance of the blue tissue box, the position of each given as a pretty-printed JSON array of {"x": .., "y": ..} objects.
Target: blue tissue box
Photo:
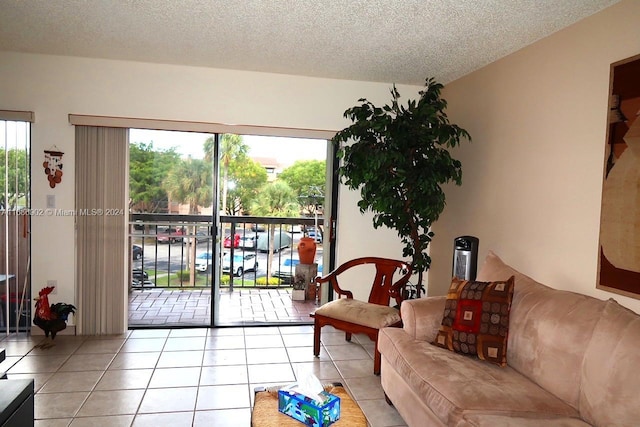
[{"x": 309, "y": 411}]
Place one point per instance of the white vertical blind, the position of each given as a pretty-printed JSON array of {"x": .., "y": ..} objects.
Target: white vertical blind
[{"x": 101, "y": 218}]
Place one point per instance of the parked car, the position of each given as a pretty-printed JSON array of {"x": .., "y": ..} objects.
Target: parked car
[
  {"x": 201, "y": 237},
  {"x": 137, "y": 252},
  {"x": 203, "y": 261},
  {"x": 314, "y": 234},
  {"x": 170, "y": 235},
  {"x": 249, "y": 242},
  {"x": 280, "y": 241},
  {"x": 241, "y": 262},
  {"x": 139, "y": 274},
  {"x": 287, "y": 269},
  {"x": 258, "y": 227},
  {"x": 236, "y": 241},
  {"x": 140, "y": 279}
]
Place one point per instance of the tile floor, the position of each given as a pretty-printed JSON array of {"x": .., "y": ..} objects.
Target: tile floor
[{"x": 185, "y": 377}]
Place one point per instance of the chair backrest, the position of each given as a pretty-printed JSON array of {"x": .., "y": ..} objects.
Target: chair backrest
[{"x": 383, "y": 287}]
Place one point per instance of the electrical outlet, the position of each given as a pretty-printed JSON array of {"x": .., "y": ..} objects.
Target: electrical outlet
[
  {"x": 53, "y": 283},
  {"x": 51, "y": 201}
]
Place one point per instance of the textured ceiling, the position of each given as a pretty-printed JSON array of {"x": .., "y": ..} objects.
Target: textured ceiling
[{"x": 393, "y": 41}]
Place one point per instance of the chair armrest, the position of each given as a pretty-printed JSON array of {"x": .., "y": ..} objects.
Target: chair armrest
[
  {"x": 422, "y": 317},
  {"x": 332, "y": 278}
]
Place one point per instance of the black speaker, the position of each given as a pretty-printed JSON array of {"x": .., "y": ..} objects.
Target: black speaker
[{"x": 465, "y": 257}]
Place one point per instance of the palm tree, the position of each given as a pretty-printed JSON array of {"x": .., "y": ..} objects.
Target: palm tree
[
  {"x": 190, "y": 182},
  {"x": 231, "y": 148},
  {"x": 276, "y": 199}
]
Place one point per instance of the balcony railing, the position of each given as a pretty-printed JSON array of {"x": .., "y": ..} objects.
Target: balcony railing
[{"x": 177, "y": 251}]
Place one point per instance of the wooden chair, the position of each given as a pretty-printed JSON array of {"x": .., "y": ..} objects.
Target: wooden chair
[{"x": 353, "y": 316}]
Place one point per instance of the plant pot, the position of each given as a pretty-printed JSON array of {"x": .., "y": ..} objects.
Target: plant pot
[
  {"x": 307, "y": 250},
  {"x": 298, "y": 295}
]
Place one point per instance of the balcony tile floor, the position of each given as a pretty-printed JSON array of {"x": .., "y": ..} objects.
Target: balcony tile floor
[
  {"x": 169, "y": 307},
  {"x": 185, "y": 377}
]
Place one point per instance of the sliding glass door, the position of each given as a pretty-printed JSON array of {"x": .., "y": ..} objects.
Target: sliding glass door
[
  {"x": 15, "y": 203},
  {"x": 215, "y": 220}
]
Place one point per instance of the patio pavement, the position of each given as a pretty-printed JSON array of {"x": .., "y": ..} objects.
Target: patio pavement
[{"x": 192, "y": 307}]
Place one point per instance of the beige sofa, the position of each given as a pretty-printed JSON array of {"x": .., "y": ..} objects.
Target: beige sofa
[{"x": 572, "y": 361}]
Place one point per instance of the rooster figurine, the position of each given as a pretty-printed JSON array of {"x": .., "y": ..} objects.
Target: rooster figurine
[{"x": 51, "y": 318}]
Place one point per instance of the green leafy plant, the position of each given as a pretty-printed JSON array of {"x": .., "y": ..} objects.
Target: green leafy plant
[
  {"x": 397, "y": 156},
  {"x": 183, "y": 275}
]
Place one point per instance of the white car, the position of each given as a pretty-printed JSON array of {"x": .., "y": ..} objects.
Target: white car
[
  {"x": 314, "y": 234},
  {"x": 203, "y": 261},
  {"x": 287, "y": 269},
  {"x": 241, "y": 262},
  {"x": 248, "y": 242}
]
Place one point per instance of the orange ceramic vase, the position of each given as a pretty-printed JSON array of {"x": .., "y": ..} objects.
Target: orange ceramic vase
[{"x": 307, "y": 250}]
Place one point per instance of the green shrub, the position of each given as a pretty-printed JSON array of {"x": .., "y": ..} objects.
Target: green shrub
[
  {"x": 262, "y": 281},
  {"x": 225, "y": 279},
  {"x": 183, "y": 275}
]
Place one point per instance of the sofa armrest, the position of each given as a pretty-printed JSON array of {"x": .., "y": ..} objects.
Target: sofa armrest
[{"x": 422, "y": 317}]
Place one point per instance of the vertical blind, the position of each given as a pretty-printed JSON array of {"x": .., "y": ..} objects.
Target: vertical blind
[{"x": 101, "y": 216}]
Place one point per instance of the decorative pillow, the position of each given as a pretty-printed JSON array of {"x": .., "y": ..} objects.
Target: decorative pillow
[{"x": 476, "y": 319}]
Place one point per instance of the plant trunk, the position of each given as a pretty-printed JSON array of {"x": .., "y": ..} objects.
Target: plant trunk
[{"x": 419, "y": 284}]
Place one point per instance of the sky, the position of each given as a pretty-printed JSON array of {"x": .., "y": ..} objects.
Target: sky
[{"x": 285, "y": 150}]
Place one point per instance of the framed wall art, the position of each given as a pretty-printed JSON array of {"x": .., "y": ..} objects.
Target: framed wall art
[{"x": 619, "y": 255}]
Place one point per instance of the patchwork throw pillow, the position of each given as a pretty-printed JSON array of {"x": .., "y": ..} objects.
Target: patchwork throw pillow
[{"x": 476, "y": 319}]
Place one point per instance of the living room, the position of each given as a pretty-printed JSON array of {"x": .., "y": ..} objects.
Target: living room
[{"x": 532, "y": 176}]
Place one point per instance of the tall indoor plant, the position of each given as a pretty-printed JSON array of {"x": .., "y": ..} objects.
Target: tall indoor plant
[{"x": 397, "y": 156}]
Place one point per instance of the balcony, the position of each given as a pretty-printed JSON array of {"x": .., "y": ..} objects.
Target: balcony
[{"x": 174, "y": 269}]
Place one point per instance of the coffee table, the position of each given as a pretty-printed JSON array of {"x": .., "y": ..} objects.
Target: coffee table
[{"x": 265, "y": 409}]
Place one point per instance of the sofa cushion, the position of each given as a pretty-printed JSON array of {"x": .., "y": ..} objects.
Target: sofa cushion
[
  {"x": 453, "y": 385},
  {"x": 549, "y": 330},
  {"x": 610, "y": 393},
  {"x": 494, "y": 420},
  {"x": 476, "y": 319}
]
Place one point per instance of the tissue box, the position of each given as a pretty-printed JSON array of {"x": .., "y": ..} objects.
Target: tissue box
[{"x": 308, "y": 411}]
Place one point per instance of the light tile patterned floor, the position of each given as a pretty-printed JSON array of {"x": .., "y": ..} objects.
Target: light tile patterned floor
[
  {"x": 171, "y": 307},
  {"x": 185, "y": 377}
]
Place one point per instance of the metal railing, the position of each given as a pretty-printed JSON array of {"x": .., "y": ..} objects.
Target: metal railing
[{"x": 177, "y": 251}]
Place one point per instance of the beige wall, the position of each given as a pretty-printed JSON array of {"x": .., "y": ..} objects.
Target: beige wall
[
  {"x": 54, "y": 86},
  {"x": 532, "y": 178}
]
